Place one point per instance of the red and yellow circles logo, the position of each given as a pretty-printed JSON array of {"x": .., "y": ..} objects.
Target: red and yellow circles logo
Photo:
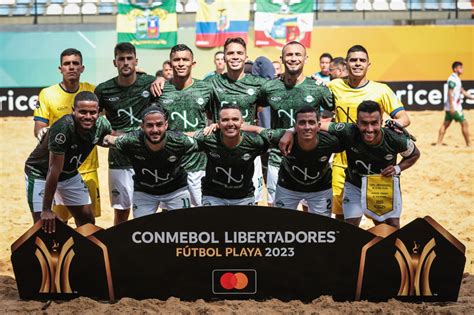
[{"x": 236, "y": 280}]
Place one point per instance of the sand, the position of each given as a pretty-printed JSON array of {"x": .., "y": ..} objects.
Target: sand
[{"x": 441, "y": 185}]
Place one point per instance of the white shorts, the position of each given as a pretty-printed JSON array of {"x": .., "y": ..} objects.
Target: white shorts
[
  {"x": 145, "y": 204},
  {"x": 257, "y": 179},
  {"x": 69, "y": 192},
  {"x": 272, "y": 180},
  {"x": 215, "y": 201},
  {"x": 352, "y": 204},
  {"x": 194, "y": 187},
  {"x": 121, "y": 188},
  {"x": 319, "y": 202}
]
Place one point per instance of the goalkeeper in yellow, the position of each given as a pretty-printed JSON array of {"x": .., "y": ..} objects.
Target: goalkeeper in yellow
[{"x": 348, "y": 94}]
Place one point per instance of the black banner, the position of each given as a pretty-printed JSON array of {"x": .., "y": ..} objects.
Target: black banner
[
  {"x": 240, "y": 253},
  {"x": 18, "y": 101}
]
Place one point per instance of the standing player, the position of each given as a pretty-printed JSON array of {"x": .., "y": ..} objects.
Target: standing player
[
  {"x": 167, "y": 70},
  {"x": 453, "y": 106},
  {"x": 372, "y": 149},
  {"x": 286, "y": 96},
  {"x": 56, "y": 101},
  {"x": 219, "y": 63},
  {"x": 237, "y": 87},
  {"x": 324, "y": 63},
  {"x": 52, "y": 168},
  {"x": 348, "y": 94},
  {"x": 156, "y": 155},
  {"x": 188, "y": 102},
  {"x": 230, "y": 155},
  {"x": 123, "y": 100},
  {"x": 278, "y": 68},
  {"x": 337, "y": 68}
]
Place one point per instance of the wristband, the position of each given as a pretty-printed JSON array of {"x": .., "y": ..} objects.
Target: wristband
[{"x": 397, "y": 170}]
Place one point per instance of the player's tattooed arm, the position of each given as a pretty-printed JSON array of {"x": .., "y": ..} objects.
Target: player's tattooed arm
[{"x": 56, "y": 162}]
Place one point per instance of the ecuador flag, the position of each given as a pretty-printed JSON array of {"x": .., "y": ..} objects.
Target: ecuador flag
[
  {"x": 148, "y": 27},
  {"x": 277, "y": 22},
  {"x": 220, "y": 19}
]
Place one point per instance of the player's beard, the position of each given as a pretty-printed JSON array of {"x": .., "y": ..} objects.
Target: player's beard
[{"x": 155, "y": 141}]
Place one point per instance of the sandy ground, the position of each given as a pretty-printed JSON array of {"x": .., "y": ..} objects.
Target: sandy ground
[{"x": 441, "y": 185}]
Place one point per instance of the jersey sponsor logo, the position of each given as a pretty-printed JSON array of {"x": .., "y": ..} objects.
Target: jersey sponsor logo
[
  {"x": 215, "y": 155},
  {"x": 172, "y": 159},
  {"x": 78, "y": 160},
  {"x": 229, "y": 175},
  {"x": 246, "y": 157},
  {"x": 184, "y": 118},
  {"x": 113, "y": 99},
  {"x": 250, "y": 91},
  {"x": 74, "y": 146},
  {"x": 60, "y": 138},
  {"x": 289, "y": 115},
  {"x": 339, "y": 126},
  {"x": 129, "y": 113},
  {"x": 323, "y": 159},
  {"x": 354, "y": 149},
  {"x": 145, "y": 94},
  {"x": 167, "y": 101},
  {"x": 154, "y": 173},
  {"x": 304, "y": 172},
  {"x": 388, "y": 157},
  {"x": 200, "y": 101},
  {"x": 139, "y": 157},
  {"x": 275, "y": 98},
  {"x": 309, "y": 98}
]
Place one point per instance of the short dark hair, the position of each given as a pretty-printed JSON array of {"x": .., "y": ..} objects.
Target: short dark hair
[
  {"x": 236, "y": 40},
  {"x": 456, "y": 64},
  {"x": 369, "y": 107},
  {"x": 293, "y": 42},
  {"x": 325, "y": 55},
  {"x": 338, "y": 61},
  {"x": 217, "y": 53},
  {"x": 307, "y": 109},
  {"x": 85, "y": 96},
  {"x": 159, "y": 74},
  {"x": 70, "y": 52},
  {"x": 124, "y": 47},
  {"x": 357, "y": 48},
  {"x": 229, "y": 106},
  {"x": 181, "y": 47},
  {"x": 154, "y": 108},
  {"x": 166, "y": 62}
]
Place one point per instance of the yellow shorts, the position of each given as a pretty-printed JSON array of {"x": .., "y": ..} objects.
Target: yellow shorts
[
  {"x": 338, "y": 179},
  {"x": 92, "y": 182}
]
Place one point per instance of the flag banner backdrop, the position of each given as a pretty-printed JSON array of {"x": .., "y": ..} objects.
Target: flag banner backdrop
[
  {"x": 277, "y": 22},
  {"x": 220, "y": 19},
  {"x": 148, "y": 27}
]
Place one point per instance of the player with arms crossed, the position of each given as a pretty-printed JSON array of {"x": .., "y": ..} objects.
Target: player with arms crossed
[
  {"x": 56, "y": 101},
  {"x": 123, "y": 99},
  {"x": 51, "y": 169},
  {"x": 188, "y": 102},
  {"x": 348, "y": 94},
  {"x": 156, "y": 156}
]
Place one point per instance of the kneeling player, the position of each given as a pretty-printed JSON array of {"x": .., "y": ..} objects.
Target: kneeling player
[
  {"x": 156, "y": 156},
  {"x": 51, "y": 169}
]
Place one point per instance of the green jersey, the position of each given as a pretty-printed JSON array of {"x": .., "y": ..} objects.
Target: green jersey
[
  {"x": 309, "y": 171},
  {"x": 243, "y": 92},
  {"x": 62, "y": 138},
  {"x": 187, "y": 111},
  {"x": 285, "y": 101},
  {"x": 157, "y": 172},
  {"x": 365, "y": 159},
  {"x": 229, "y": 171},
  {"x": 123, "y": 107}
]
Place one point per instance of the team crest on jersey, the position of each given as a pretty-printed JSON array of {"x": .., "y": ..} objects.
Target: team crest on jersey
[
  {"x": 246, "y": 157},
  {"x": 167, "y": 101},
  {"x": 339, "y": 126},
  {"x": 145, "y": 94},
  {"x": 309, "y": 98},
  {"x": 323, "y": 159},
  {"x": 139, "y": 157},
  {"x": 60, "y": 138},
  {"x": 388, "y": 157},
  {"x": 172, "y": 159},
  {"x": 355, "y": 150},
  {"x": 279, "y": 204},
  {"x": 275, "y": 98},
  {"x": 215, "y": 155},
  {"x": 113, "y": 99},
  {"x": 37, "y": 104},
  {"x": 200, "y": 101},
  {"x": 250, "y": 91}
]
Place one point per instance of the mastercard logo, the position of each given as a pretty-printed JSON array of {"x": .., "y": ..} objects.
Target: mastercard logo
[{"x": 236, "y": 280}]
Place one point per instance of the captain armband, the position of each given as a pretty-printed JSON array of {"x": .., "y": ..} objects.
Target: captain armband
[{"x": 410, "y": 149}]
